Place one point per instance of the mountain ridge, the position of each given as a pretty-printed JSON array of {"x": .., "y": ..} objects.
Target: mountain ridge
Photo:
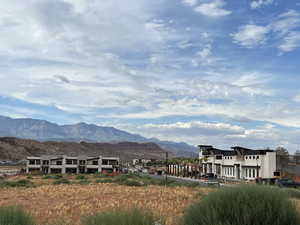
[{"x": 42, "y": 130}]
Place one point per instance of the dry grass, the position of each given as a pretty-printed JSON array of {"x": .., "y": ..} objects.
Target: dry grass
[{"x": 48, "y": 202}]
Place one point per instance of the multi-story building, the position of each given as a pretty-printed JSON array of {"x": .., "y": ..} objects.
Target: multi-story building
[
  {"x": 238, "y": 163},
  {"x": 70, "y": 164}
]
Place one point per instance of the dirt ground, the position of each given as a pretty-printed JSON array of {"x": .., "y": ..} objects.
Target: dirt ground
[{"x": 48, "y": 203}]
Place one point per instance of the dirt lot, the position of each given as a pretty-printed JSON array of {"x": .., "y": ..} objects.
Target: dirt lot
[{"x": 71, "y": 201}]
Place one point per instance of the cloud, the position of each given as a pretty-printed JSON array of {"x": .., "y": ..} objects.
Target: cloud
[
  {"x": 259, "y": 3},
  {"x": 213, "y": 9},
  {"x": 251, "y": 35},
  {"x": 283, "y": 30},
  {"x": 190, "y": 2},
  {"x": 204, "y": 57},
  {"x": 290, "y": 42},
  {"x": 196, "y": 127}
]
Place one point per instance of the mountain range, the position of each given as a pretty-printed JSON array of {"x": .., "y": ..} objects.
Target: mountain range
[{"x": 42, "y": 130}]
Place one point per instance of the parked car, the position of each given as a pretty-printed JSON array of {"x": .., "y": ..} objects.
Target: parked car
[{"x": 285, "y": 182}]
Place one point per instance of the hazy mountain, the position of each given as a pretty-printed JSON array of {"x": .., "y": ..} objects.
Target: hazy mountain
[
  {"x": 44, "y": 131},
  {"x": 16, "y": 149}
]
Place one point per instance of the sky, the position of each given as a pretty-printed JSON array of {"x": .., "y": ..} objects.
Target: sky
[{"x": 214, "y": 72}]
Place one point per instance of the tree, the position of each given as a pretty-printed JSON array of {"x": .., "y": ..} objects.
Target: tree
[{"x": 281, "y": 151}]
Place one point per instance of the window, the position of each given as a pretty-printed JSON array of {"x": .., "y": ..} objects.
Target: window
[
  {"x": 45, "y": 162},
  {"x": 257, "y": 157},
  {"x": 59, "y": 163},
  {"x": 95, "y": 162},
  {"x": 31, "y": 162},
  {"x": 218, "y": 157},
  {"x": 104, "y": 162},
  {"x": 246, "y": 157}
]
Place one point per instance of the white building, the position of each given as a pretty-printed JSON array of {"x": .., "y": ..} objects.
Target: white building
[
  {"x": 238, "y": 163},
  {"x": 70, "y": 164}
]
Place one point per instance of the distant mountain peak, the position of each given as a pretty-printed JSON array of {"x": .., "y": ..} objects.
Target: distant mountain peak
[{"x": 43, "y": 130}]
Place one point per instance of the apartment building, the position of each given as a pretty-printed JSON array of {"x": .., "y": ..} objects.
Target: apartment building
[
  {"x": 70, "y": 164},
  {"x": 238, "y": 163}
]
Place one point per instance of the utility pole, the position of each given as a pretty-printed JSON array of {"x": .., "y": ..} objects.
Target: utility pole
[{"x": 167, "y": 168}]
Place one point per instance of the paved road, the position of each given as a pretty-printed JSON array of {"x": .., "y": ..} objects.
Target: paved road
[{"x": 183, "y": 179}]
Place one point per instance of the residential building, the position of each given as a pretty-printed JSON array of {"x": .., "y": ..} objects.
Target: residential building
[
  {"x": 238, "y": 163},
  {"x": 70, "y": 164}
]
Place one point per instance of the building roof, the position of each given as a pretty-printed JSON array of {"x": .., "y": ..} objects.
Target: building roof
[{"x": 236, "y": 150}]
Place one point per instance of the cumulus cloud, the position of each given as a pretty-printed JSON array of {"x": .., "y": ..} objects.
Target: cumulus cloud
[
  {"x": 259, "y": 3},
  {"x": 213, "y": 9}
]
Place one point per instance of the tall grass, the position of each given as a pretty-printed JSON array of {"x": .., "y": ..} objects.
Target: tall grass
[
  {"x": 243, "y": 205},
  {"x": 14, "y": 216},
  {"x": 122, "y": 217}
]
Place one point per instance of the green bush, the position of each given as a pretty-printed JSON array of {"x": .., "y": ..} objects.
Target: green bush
[
  {"x": 122, "y": 217},
  {"x": 100, "y": 175},
  {"x": 292, "y": 193},
  {"x": 62, "y": 181},
  {"x": 18, "y": 183},
  {"x": 80, "y": 177},
  {"x": 84, "y": 182},
  {"x": 105, "y": 181},
  {"x": 57, "y": 176},
  {"x": 14, "y": 216},
  {"x": 243, "y": 205},
  {"x": 47, "y": 177}
]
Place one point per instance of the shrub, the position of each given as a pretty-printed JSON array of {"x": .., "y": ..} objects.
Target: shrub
[
  {"x": 84, "y": 182},
  {"x": 62, "y": 181},
  {"x": 124, "y": 217},
  {"x": 14, "y": 216},
  {"x": 243, "y": 205},
  {"x": 19, "y": 183},
  {"x": 292, "y": 193},
  {"x": 57, "y": 176},
  {"x": 80, "y": 177},
  {"x": 47, "y": 177},
  {"x": 100, "y": 175},
  {"x": 105, "y": 181},
  {"x": 29, "y": 177}
]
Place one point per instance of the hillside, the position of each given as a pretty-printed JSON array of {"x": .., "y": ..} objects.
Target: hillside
[
  {"x": 16, "y": 149},
  {"x": 42, "y": 130}
]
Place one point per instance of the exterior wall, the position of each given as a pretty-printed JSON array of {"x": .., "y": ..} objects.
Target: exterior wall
[
  {"x": 75, "y": 166},
  {"x": 247, "y": 167}
]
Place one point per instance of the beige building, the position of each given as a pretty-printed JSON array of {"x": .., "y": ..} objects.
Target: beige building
[
  {"x": 70, "y": 164},
  {"x": 238, "y": 163}
]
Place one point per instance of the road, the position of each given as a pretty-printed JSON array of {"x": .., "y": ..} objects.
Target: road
[{"x": 182, "y": 179}]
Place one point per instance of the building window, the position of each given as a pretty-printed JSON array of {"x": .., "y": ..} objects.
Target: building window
[
  {"x": 95, "y": 162},
  {"x": 246, "y": 157},
  {"x": 59, "y": 163},
  {"x": 257, "y": 157},
  {"x": 218, "y": 157}
]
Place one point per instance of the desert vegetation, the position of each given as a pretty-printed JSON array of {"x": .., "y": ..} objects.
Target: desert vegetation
[{"x": 101, "y": 199}]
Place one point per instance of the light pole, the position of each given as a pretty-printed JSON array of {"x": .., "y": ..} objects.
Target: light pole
[{"x": 167, "y": 168}]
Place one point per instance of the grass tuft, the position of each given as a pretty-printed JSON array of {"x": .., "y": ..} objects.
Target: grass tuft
[
  {"x": 14, "y": 216},
  {"x": 246, "y": 205},
  {"x": 122, "y": 217}
]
